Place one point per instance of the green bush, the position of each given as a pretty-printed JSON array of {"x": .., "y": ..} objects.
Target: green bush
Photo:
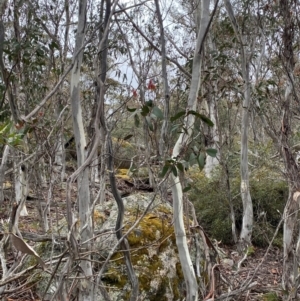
[{"x": 269, "y": 193}]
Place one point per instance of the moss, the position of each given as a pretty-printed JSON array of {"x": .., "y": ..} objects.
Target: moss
[
  {"x": 122, "y": 172},
  {"x": 272, "y": 296},
  {"x": 154, "y": 235},
  {"x": 99, "y": 217}
]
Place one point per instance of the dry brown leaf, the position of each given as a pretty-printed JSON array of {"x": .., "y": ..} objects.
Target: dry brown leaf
[
  {"x": 23, "y": 247},
  {"x": 296, "y": 196},
  {"x": 274, "y": 271}
]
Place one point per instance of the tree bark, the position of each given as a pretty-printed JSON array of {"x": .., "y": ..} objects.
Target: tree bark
[
  {"x": 290, "y": 231},
  {"x": 247, "y": 225},
  {"x": 86, "y": 287},
  {"x": 183, "y": 140}
]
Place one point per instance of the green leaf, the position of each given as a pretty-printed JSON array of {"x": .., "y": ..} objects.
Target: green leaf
[
  {"x": 192, "y": 159},
  {"x": 177, "y": 116},
  {"x": 174, "y": 171},
  {"x": 131, "y": 109},
  {"x": 5, "y": 128},
  {"x": 187, "y": 188},
  {"x": 149, "y": 103},
  {"x": 211, "y": 152},
  {"x": 174, "y": 127},
  {"x": 136, "y": 120},
  {"x": 201, "y": 160},
  {"x": 180, "y": 166},
  {"x": 202, "y": 117},
  {"x": 164, "y": 170},
  {"x": 40, "y": 52},
  {"x": 185, "y": 164},
  {"x": 206, "y": 120},
  {"x": 158, "y": 113},
  {"x": 145, "y": 110},
  {"x": 150, "y": 125},
  {"x": 127, "y": 137},
  {"x": 196, "y": 149},
  {"x": 53, "y": 45}
]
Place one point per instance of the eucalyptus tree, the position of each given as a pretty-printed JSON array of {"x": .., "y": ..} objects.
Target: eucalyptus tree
[
  {"x": 180, "y": 145},
  {"x": 277, "y": 98},
  {"x": 23, "y": 56},
  {"x": 245, "y": 56},
  {"x": 84, "y": 200}
]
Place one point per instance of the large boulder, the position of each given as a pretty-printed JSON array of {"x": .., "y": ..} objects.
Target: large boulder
[{"x": 153, "y": 249}]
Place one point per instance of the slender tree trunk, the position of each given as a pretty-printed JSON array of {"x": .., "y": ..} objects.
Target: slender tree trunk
[
  {"x": 213, "y": 135},
  {"x": 290, "y": 232},
  {"x": 2, "y": 170},
  {"x": 21, "y": 188},
  {"x": 247, "y": 225},
  {"x": 163, "y": 142},
  {"x": 86, "y": 287},
  {"x": 183, "y": 140}
]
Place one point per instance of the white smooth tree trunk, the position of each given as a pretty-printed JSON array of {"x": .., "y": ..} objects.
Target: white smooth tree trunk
[
  {"x": 212, "y": 162},
  {"x": 247, "y": 225},
  {"x": 2, "y": 170},
  {"x": 85, "y": 287},
  {"x": 21, "y": 188},
  {"x": 181, "y": 143}
]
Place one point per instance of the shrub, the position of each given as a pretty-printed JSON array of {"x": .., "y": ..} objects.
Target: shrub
[{"x": 269, "y": 193}]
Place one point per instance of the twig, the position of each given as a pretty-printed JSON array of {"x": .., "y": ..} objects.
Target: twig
[{"x": 234, "y": 293}]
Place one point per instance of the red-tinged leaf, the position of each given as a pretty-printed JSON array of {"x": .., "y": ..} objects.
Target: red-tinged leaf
[
  {"x": 134, "y": 93},
  {"x": 151, "y": 86}
]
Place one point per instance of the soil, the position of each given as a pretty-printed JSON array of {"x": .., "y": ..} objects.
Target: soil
[{"x": 263, "y": 268}]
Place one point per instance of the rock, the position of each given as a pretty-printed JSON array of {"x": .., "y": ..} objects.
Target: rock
[{"x": 153, "y": 250}]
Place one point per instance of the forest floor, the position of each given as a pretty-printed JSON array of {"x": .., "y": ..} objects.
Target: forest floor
[{"x": 264, "y": 270}]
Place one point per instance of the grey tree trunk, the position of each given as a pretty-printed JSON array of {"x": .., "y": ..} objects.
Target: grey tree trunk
[
  {"x": 181, "y": 143},
  {"x": 2, "y": 170},
  {"x": 86, "y": 287},
  {"x": 247, "y": 225},
  {"x": 291, "y": 254},
  {"x": 212, "y": 162}
]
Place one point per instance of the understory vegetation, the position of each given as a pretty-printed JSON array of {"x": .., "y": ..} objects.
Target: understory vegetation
[
  {"x": 212, "y": 198},
  {"x": 149, "y": 150}
]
